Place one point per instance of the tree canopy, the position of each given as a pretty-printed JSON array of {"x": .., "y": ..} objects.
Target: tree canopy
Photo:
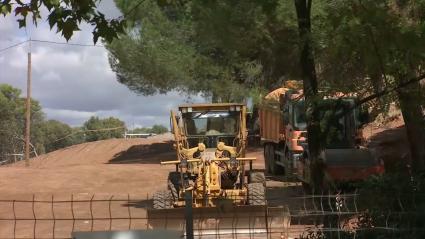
[
  {"x": 100, "y": 129},
  {"x": 66, "y": 16},
  {"x": 208, "y": 47},
  {"x": 233, "y": 49},
  {"x": 155, "y": 129}
]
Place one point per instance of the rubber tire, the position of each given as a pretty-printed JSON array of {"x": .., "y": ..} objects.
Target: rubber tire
[
  {"x": 257, "y": 177},
  {"x": 256, "y": 194},
  {"x": 265, "y": 155},
  {"x": 274, "y": 168},
  {"x": 267, "y": 159},
  {"x": 163, "y": 200},
  {"x": 174, "y": 184}
]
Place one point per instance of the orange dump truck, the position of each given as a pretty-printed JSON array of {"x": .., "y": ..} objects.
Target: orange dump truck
[
  {"x": 282, "y": 128},
  {"x": 282, "y": 122}
]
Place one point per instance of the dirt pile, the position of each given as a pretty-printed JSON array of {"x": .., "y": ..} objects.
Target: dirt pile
[
  {"x": 107, "y": 167},
  {"x": 386, "y": 136}
]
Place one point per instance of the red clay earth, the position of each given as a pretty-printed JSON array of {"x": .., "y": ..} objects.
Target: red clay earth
[{"x": 119, "y": 168}]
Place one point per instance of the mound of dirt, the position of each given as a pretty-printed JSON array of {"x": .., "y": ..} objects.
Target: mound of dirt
[
  {"x": 95, "y": 167},
  {"x": 386, "y": 136},
  {"x": 101, "y": 152}
]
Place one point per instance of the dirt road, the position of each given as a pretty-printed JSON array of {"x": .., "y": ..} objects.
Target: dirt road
[{"x": 122, "y": 169}]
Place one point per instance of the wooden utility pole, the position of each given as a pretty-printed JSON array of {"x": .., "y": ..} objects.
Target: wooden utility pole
[{"x": 28, "y": 113}]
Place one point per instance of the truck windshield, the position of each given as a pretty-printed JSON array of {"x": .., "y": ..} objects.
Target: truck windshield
[
  {"x": 300, "y": 121},
  {"x": 333, "y": 127},
  {"x": 211, "y": 123}
]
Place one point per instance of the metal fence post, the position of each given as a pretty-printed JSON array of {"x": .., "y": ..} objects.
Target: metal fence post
[{"x": 189, "y": 214}]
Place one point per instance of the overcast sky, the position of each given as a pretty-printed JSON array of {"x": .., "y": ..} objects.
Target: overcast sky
[{"x": 73, "y": 83}]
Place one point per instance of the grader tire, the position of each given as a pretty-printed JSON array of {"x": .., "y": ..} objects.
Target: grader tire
[
  {"x": 163, "y": 200},
  {"x": 174, "y": 184},
  {"x": 257, "y": 177},
  {"x": 256, "y": 194}
]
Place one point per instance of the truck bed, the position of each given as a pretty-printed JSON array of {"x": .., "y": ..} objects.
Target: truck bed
[{"x": 271, "y": 123}]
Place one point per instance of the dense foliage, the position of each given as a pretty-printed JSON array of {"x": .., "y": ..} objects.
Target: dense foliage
[
  {"x": 66, "y": 16},
  {"x": 12, "y": 121},
  {"x": 155, "y": 129},
  {"x": 99, "y": 129},
  {"x": 233, "y": 49},
  {"x": 206, "y": 46}
]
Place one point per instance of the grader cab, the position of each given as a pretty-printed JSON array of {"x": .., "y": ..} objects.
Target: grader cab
[{"x": 210, "y": 141}]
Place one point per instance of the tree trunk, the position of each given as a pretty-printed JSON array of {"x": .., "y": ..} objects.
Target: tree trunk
[
  {"x": 377, "y": 81},
  {"x": 410, "y": 99},
  {"x": 303, "y": 8}
]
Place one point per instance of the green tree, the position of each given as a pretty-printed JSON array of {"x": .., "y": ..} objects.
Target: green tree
[
  {"x": 155, "y": 129},
  {"x": 379, "y": 45},
  {"x": 100, "y": 129},
  {"x": 9, "y": 129},
  {"x": 310, "y": 83},
  {"x": 225, "y": 50},
  {"x": 56, "y": 135},
  {"x": 159, "y": 129},
  {"x": 66, "y": 15},
  {"x": 12, "y": 122}
]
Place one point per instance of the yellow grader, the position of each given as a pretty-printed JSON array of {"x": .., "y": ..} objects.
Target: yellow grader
[{"x": 210, "y": 140}]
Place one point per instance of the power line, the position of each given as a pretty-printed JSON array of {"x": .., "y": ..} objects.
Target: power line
[
  {"x": 49, "y": 42},
  {"x": 65, "y": 43},
  {"x": 12, "y": 46},
  {"x": 132, "y": 9}
]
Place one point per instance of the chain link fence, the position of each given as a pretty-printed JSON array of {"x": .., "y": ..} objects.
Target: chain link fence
[{"x": 304, "y": 216}]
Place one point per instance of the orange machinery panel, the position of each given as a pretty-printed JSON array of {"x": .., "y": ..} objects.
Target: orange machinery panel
[{"x": 271, "y": 124}]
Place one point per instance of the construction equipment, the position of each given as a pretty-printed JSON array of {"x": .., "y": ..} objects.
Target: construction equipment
[
  {"x": 284, "y": 136},
  {"x": 212, "y": 173}
]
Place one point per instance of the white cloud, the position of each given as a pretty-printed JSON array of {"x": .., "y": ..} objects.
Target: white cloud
[
  {"x": 73, "y": 83},
  {"x": 50, "y": 76}
]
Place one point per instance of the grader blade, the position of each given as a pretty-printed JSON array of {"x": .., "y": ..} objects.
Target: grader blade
[{"x": 213, "y": 220}]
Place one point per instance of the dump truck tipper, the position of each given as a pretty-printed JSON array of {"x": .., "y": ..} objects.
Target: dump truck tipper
[{"x": 283, "y": 133}]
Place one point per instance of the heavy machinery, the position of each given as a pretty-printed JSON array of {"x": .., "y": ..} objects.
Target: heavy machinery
[
  {"x": 282, "y": 125},
  {"x": 210, "y": 141},
  {"x": 283, "y": 134}
]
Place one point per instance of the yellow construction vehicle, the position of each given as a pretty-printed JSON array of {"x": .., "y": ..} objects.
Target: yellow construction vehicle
[
  {"x": 210, "y": 145},
  {"x": 210, "y": 141}
]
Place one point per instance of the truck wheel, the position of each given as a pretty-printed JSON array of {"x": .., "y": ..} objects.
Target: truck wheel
[
  {"x": 274, "y": 168},
  {"x": 257, "y": 177},
  {"x": 163, "y": 200},
  {"x": 256, "y": 194},
  {"x": 267, "y": 158},
  {"x": 306, "y": 187},
  {"x": 174, "y": 184}
]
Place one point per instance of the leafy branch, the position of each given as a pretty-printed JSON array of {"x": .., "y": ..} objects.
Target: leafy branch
[{"x": 66, "y": 16}]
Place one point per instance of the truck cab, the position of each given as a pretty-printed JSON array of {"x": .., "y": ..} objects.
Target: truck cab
[
  {"x": 340, "y": 123},
  {"x": 344, "y": 156}
]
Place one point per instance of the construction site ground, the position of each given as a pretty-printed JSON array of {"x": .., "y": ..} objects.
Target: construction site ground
[{"x": 126, "y": 169}]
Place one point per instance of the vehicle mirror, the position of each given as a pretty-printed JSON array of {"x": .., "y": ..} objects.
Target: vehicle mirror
[
  {"x": 363, "y": 117},
  {"x": 171, "y": 125}
]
